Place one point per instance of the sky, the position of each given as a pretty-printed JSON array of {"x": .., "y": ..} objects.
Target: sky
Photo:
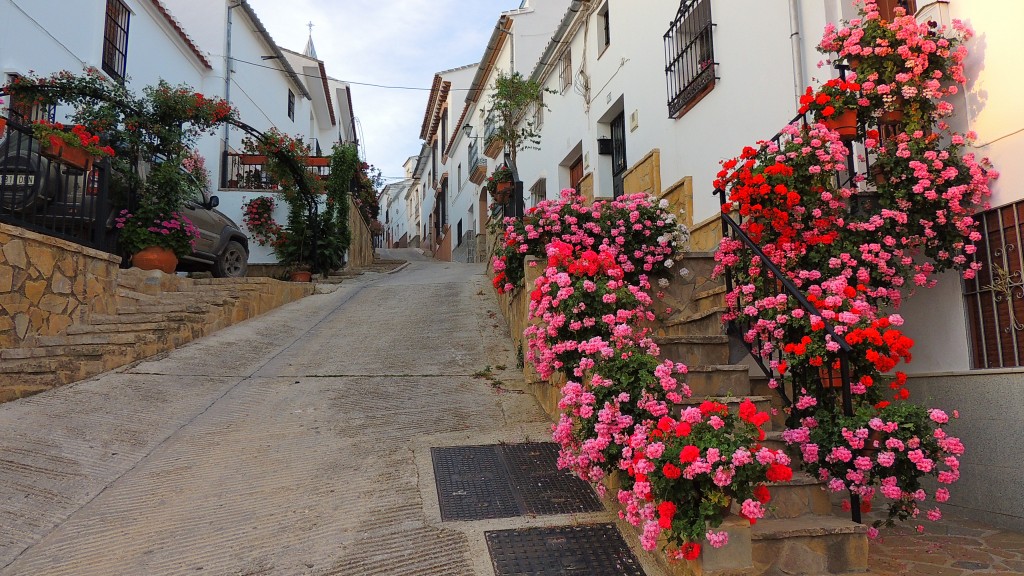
[{"x": 388, "y": 42}]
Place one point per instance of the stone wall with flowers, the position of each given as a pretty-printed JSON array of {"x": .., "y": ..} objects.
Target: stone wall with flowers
[{"x": 46, "y": 284}]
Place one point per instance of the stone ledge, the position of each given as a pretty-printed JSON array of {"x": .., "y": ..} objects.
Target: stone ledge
[{"x": 59, "y": 243}]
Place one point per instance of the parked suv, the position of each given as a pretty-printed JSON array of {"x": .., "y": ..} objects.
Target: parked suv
[{"x": 221, "y": 248}]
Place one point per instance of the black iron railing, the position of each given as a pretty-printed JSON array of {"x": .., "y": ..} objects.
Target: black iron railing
[
  {"x": 800, "y": 377},
  {"x": 249, "y": 171},
  {"x": 53, "y": 194}
]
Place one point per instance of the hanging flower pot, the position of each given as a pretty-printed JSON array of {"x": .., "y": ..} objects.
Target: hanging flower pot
[
  {"x": 830, "y": 378},
  {"x": 155, "y": 258},
  {"x": 72, "y": 156},
  {"x": 845, "y": 123}
]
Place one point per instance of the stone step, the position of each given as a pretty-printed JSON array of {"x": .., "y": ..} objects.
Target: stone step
[
  {"x": 141, "y": 318},
  {"x": 695, "y": 350},
  {"x": 759, "y": 385},
  {"x": 705, "y": 322},
  {"x": 191, "y": 308},
  {"x": 36, "y": 365},
  {"x": 121, "y": 338},
  {"x": 125, "y": 326},
  {"x": 802, "y": 496},
  {"x": 718, "y": 380},
  {"x": 733, "y": 402},
  {"x": 709, "y": 299},
  {"x": 129, "y": 294},
  {"x": 809, "y": 546}
]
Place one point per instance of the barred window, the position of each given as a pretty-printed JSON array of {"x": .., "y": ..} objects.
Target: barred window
[
  {"x": 565, "y": 70},
  {"x": 886, "y": 8},
  {"x": 291, "y": 105},
  {"x": 689, "y": 56},
  {"x": 994, "y": 299},
  {"x": 115, "y": 39}
]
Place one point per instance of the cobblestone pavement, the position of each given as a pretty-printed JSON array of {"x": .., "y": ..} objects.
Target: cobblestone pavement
[{"x": 950, "y": 547}]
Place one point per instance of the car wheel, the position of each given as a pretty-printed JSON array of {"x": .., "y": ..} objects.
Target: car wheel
[{"x": 232, "y": 262}]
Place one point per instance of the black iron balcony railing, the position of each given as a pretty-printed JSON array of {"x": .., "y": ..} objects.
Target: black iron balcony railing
[
  {"x": 249, "y": 171},
  {"x": 53, "y": 194}
]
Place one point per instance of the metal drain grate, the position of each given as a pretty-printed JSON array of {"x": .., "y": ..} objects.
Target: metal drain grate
[
  {"x": 483, "y": 482},
  {"x": 593, "y": 550},
  {"x": 543, "y": 488},
  {"x": 472, "y": 483}
]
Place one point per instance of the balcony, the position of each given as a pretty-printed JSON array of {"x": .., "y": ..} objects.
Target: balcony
[
  {"x": 492, "y": 145},
  {"x": 249, "y": 171},
  {"x": 477, "y": 164}
]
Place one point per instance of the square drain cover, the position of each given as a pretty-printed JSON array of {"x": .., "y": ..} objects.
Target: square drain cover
[
  {"x": 543, "y": 488},
  {"x": 594, "y": 550},
  {"x": 472, "y": 483},
  {"x": 500, "y": 481}
]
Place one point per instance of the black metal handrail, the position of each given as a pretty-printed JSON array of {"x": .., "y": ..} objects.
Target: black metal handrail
[{"x": 733, "y": 229}]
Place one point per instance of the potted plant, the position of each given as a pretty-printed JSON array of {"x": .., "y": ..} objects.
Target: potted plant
[
  {"x": 76, "y": 147},
  {"x": 499, "y": 184},
  {"x": 835, "y": 105},
  {"x": 156, "y": 240}
]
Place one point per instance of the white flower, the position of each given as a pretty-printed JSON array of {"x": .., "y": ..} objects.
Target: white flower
[
  {"x": 663, "y": 282},
  {"x": 663, "y": 203},
  {"x": 684, "y": 272},
  {"x": 669, "y": 263}
]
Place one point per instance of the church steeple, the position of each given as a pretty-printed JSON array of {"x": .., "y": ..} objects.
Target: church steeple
[{"x": 310, "y": 50}]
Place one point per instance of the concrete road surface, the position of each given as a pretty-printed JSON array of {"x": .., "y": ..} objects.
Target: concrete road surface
[{"x": 294, "y": 443}]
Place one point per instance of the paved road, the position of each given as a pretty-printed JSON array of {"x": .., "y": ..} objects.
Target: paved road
[{"x": 294, "y": 443}]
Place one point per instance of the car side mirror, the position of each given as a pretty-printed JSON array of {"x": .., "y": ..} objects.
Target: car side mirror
[{"x": 213, "y": 203}]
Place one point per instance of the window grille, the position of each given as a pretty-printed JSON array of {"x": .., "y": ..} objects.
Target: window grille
[
  {"x": 115, "y": 39},
  {"x": 689, "y": 56},
  {"x": 565, "y": 70}
]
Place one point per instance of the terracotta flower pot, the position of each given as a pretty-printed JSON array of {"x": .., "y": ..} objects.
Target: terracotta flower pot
[
  {"x": 830, "y": 378},
  {"x": 155, "y": 258},
  {"x": 3, "y": 125},
  {"x": 301, "y": 276},
  {"x": 68, "y": 155},
  {"x": 845, "y": 123}
]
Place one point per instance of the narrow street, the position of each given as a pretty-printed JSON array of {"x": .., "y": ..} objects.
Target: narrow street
[{"x": 294, "y": 443}]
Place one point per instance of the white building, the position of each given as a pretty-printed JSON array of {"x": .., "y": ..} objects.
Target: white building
[{"x": 653, "y": 98}]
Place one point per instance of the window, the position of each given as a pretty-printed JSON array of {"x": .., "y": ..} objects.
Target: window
[
  {"x": 565, "y": 70},
  {"x": 458, "y": 173},
  {"x": 994, "y": 299},
  {"x": 444, "y": 130},
  {"x": 604, "y": 37},
  {"x": 690, "y": 65},
  {"x": 458, "y": 235},
  {"x": 887, "y": 8},
  {"x": 291, "y": 105},
  {"x": 618, "y": 128},
  {"x": 539, "y": 191},
  {"x": 115, "y": 39},
  {"x": 576, "y": 174}
]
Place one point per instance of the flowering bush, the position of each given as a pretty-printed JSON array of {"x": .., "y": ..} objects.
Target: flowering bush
[
  {"x": 856, "y": 249},
  {"x": 54, "y": 133},
  {"x": 693, "y": 467},
  {"x": 258, "y": 217},
  {"x": 148, "y": 228},
  {"x": 888, "y": 449}
]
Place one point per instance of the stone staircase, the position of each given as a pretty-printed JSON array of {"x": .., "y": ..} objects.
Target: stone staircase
[
  {"x": 799, "y": 535},
  {"x": 154, "y": 313}
]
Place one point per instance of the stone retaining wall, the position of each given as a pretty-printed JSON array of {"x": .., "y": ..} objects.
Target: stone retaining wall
[
  {"x": 47, "y": 283},
  {"x": 360, "y": 251}
]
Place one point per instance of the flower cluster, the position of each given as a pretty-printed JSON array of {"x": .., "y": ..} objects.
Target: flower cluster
[
  {"x": 258, "y": 217},
  {"x": 887, "y": 450},
  {"x": 501, "y": 174},
  {"x": 147, "y": 228},
  {"x": 692, "y": 468},
  {"x": 56, "y": 133},
  {"x": 855, "y": 248}
]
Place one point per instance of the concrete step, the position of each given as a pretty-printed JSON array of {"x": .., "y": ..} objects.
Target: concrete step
[
  {"x": 809, "y": 546},
  {"x": 733, "y": 403},
  {"x": 718, "y": 380},
  {"x": 759, "y": 386},
  {"x": 695, "y": 350},
  {"x": 705, "y": 322},
  {"x": 802, "y": 496}
]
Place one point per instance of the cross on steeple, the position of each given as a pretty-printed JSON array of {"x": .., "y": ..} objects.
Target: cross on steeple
[{"x": 310, "y": 51}]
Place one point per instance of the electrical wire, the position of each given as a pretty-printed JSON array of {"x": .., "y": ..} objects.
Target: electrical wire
[{"x": 370, "y": 84}]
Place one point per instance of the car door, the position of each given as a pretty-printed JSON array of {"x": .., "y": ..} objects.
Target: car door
[{"x": 206, "y": 222}]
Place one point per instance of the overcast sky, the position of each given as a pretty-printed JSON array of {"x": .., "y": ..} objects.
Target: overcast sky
[{"x": 389, "y": 42}]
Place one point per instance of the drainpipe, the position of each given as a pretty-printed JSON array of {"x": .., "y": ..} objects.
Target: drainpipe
[
  {"x": 224, "y": 176},
  {"x": 799, "y": 82}
]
